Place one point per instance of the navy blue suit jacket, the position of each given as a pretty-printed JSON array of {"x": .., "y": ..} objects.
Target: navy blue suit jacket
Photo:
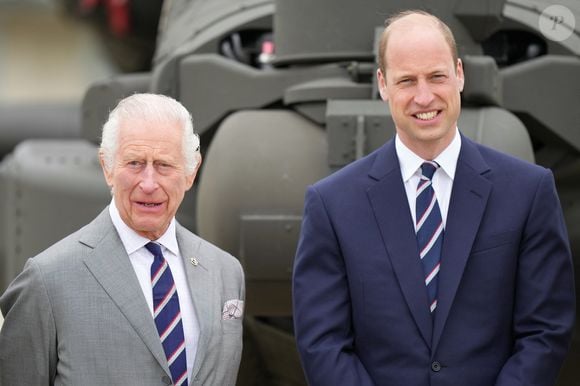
[{"x": 506, "y": 303}]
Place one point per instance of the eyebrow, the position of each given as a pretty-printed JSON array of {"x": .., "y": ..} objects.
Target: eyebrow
[{"x": 405, "y": 74}]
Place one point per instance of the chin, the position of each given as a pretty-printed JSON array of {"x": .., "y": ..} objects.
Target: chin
[
  {"x": 147, "y": 227},
  {"x": 434, "y": 134}
]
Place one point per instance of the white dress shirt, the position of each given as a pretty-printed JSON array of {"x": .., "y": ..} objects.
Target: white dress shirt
[
  {"x": 442, "y": 179},
  {"x": 141, "y": 259}
]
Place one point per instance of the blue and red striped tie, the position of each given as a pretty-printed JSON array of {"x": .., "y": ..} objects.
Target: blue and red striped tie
[
  {"x": 167, "y": 315},
  {"x": 429, "y": 231}
]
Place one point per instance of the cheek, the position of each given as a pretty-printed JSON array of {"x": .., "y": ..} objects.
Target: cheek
[
  {"x": 398, "y": 102},
  {"x": 175, "y": 188},
  {"x": 179, "y": 191},
  {"x": 455, "y": 98},
  {"x": 124, "y": 182}
]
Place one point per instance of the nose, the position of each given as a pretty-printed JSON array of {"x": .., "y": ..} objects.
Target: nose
[
  {"x": 424, "y": 96},
  {"x": 148, "y": 179}
]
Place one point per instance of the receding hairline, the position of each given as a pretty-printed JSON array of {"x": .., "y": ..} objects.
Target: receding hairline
[{"x": 438, "y": 23}]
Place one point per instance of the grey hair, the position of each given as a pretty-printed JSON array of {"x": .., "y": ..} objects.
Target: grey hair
[{"x": 156, "y": 108}]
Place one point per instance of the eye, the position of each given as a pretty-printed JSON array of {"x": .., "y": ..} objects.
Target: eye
[
  {"x": 134, "y": 164},
  {"x": 439, "y": 77},
  {"x": 163, "y": 166}
]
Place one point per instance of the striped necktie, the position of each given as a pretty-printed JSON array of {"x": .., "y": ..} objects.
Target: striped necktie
[
  {"x": 167, "y": 315},
  {"x": 429, "y": 231}
]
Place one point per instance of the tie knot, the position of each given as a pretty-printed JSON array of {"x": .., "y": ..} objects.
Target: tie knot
[
  {"x": 428, "y": 169},
  {"x": 154, "y": 248}
]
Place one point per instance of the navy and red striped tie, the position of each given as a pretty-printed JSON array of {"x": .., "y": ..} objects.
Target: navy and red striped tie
[
  {"x": 429, "y": 227},
  {"x": 167, "y": 315}
]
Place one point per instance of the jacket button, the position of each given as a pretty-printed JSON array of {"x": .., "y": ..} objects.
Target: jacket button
[
  {"x": 436, "y": 366},
  {"x": 166, "y": 380}
]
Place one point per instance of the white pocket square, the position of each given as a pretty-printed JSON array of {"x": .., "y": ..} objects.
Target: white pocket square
[{"x": 233, "y": 309}]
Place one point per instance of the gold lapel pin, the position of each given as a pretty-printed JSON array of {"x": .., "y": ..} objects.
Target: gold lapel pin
[{"x": 194, "y": 261}]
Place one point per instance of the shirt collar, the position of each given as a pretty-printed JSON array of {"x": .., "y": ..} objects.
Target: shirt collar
[
  {"x": 411, "y": 162},
  {"x": 132, "y": 241}
]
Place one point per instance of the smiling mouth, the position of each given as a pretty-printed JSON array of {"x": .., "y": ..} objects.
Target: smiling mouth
[{"x": 427, "y": 115}]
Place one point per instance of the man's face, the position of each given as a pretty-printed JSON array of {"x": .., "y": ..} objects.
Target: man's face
[
  {"x": 422, "y": 85},
  {"x": 148, "y": 176}
]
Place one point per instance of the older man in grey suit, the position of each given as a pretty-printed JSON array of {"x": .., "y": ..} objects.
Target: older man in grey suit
[{"x": 132, "y": 298}]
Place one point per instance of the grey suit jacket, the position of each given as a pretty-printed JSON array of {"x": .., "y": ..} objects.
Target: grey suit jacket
[{"x": 76, "y": 315}]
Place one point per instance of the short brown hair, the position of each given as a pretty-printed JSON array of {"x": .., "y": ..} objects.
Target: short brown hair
[{"x": 444, "y": 28}]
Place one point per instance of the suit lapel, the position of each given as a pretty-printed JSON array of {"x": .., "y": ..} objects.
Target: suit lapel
[
  {"x": 203, "y": 292},
  {"x": 389, "y": 202},
  {"x": 110, "y": 266},
  {"x": 466, "y": 207}
]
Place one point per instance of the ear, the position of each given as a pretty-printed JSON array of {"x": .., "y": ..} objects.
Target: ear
[
  {"x": 190, "y": 178},
  {"x": 382, "y": 83},
  {"x": 460, "y": 75},
  {"x": 108, "y": 174}
]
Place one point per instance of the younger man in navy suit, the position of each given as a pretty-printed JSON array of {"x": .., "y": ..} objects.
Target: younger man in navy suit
[{"x": 434, "y": 260}]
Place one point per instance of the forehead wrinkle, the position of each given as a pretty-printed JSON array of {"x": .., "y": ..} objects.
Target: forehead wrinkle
[{"x": 145, "y": 151}]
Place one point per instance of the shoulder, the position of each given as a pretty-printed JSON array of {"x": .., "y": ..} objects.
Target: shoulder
[
  {"x": 71, "y": 250},
  {"x": 63, "y": 253},
  {"x": 208, "y": 254},
  {"x": 506, "y": 166},
  {"x": 354, "y": 175},
  {"x": 44, "y": 273}
]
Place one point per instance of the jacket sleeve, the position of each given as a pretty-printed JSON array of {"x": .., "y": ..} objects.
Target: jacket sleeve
[
  {"x": 28, "y": 336},
  {"x": 322, "y": 305},
  {"x": 544, "y": 308}
]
